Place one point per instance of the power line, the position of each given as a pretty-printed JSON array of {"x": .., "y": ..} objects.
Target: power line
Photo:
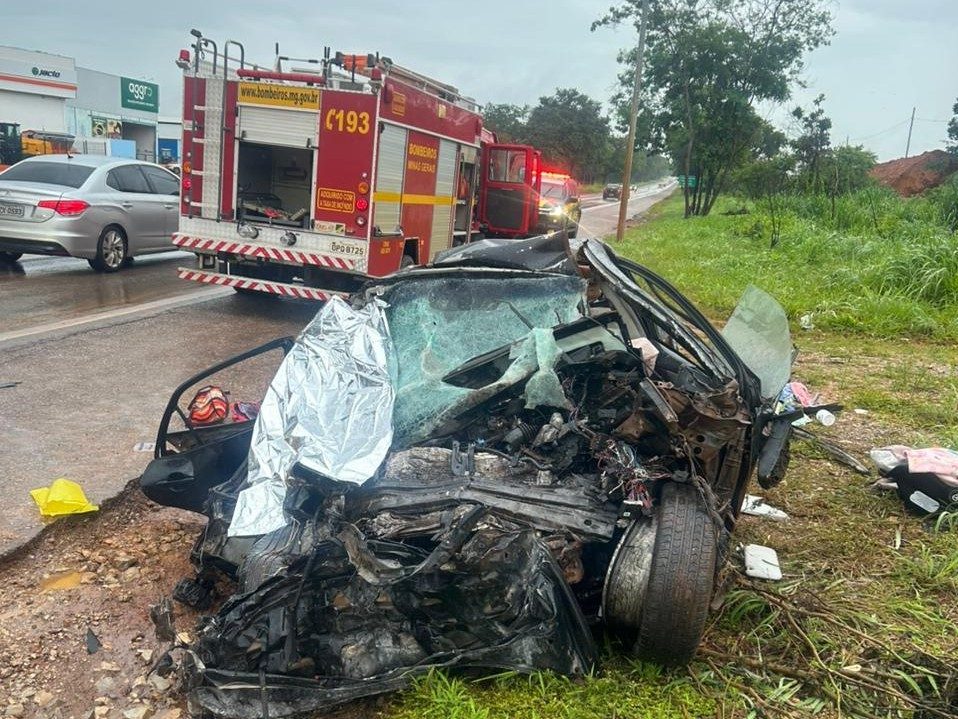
[{"x": 882, "y": 132}]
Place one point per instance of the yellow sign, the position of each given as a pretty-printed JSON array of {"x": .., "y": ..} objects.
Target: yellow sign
[
  {"x": 335, "y": 200},
  {"x": 347, "y": 121},
  {"x": 399, "y": 104},
  {"x": 273, "y": 95}
]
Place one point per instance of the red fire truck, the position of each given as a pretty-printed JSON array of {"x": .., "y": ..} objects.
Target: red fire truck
[{"x": 299, "y": 181}]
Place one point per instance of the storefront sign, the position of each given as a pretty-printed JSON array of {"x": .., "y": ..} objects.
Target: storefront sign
[
  {"x": 139, "y": 95},
  {"x": 37, "y": 73}
]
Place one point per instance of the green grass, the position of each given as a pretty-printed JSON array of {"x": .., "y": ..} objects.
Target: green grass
[
  {"x": 624, "y": 689},
  {"x": 882, "y": 267}
]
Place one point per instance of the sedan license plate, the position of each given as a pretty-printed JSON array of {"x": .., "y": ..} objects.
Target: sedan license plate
[{"x": 8, "y": 210}]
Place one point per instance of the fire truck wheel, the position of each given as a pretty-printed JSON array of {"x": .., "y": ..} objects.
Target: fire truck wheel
[
  {"x": 110, "y": 250},
  {"x": 407, "y": 261},
  {"x": 10, "y": 257}
]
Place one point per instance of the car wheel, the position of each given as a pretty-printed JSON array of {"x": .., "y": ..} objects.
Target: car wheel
[
  {"x": 10, "y": 257},
  {"x": 681, "y": 579},
  {"x": 659, "y": 588},
  {"x": 110, "y": 250}
]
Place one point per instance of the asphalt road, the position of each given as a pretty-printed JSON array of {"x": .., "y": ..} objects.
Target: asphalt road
[{"x": 95, "y": 358}]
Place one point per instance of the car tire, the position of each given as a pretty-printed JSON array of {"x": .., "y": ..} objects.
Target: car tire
[
  {"x": 10, "y": 257},
  {"x": 111, "y": 250},
  {"x": 681, "y": 578}
]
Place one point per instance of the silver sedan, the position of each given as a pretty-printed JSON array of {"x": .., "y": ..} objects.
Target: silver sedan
[{"x": 103, "y": 209}]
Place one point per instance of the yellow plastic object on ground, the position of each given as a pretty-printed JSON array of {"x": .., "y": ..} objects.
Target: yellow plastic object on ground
[{"x": 61, "y": 498}]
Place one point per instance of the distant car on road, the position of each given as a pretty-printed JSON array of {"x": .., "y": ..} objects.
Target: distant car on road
[
  {"x": 103, "y": 209},
  {"x": 612, "y": 191}
]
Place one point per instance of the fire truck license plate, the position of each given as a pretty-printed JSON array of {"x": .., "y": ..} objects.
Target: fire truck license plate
[{"x": 8, "y": 210}]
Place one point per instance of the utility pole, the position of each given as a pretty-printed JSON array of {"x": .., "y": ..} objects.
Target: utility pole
[
  {"x": 633, "y": 116},
  {"x": 911, "y": 125}
]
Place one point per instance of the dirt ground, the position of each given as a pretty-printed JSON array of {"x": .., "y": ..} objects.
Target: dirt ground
[
  {"x": 93, "y": 576},
  {"x": 913, "y": 175}
]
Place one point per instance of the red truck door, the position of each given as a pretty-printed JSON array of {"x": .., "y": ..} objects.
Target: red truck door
[{"x": 509, "y": 199}]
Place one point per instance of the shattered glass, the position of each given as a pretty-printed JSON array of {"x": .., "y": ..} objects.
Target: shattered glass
[
  {"x": 438, "y": 324},
  {"x": 758, "y": 332},
  {"x": 329, "y": 408}
]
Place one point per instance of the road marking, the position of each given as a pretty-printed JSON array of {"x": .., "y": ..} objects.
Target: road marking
[
  {"x": 166, "y": 303},
  {"x": 632, "y": 198}
]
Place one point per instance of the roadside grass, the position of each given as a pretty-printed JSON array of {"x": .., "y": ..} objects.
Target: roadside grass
[
  {"x": 624, "y": 689},
  {"x": 884, "y": 267},
  {"x": 864, "y": 622}
]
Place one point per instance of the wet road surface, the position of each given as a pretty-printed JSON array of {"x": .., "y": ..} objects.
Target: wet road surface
[
  {"x": 40, "y": 290},
  {"x": 89, "y": 390}
]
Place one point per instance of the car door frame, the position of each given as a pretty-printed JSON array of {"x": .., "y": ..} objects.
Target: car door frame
[
  {"x": 171, "y": 205},
  {"x": 145, "y": 221}
]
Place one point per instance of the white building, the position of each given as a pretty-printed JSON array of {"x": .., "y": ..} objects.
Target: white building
[
  {"x": 34, "y": 88},
  {"x": 108, "y": 114}
]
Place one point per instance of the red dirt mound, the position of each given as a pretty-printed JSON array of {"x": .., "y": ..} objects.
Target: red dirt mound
[{"x": 913, "y": 175}]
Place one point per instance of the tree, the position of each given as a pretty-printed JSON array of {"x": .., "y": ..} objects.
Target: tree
[
  {"x": 953, "y": 131},
  {"x": 812, "y": 144},
  {"x": 571, "y": 131},
  {"x": 768, "y": 180},
  {"x": 507, "y": 121},
  {"x": 708, "y": 63}
]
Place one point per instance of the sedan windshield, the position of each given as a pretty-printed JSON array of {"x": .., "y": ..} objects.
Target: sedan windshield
[{"x": 48, "y": 173}]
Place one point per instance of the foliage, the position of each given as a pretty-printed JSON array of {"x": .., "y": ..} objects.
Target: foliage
[
  {"x": 812, "y": 144},
  {"x": 844, "y": 169},
  {"x": 767, "y": 181},
  {"x": 624, "y": 689},
  {"x": 507, "y": 121},
  {"x": 880, "y": 265},
  {"x": 945, "y": 199},
  {"x": 953, "y": 131},
  {"x": 571, "y": 131},
  {"x": 708, "y": 62}
]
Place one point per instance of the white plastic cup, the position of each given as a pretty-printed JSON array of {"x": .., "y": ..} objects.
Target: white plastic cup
[{"x": 825, "y": 417}]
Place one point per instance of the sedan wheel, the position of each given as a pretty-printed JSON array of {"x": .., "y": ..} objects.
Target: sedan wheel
[
  {"x": 660, "y": 583},
  {"x": 110, "y": 251}
]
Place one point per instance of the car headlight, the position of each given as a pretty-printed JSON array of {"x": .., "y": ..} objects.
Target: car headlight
[{"x": 556, "y": 210}]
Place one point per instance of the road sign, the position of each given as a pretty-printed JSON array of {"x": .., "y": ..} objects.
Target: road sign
[{"x": 687, "y": 181}]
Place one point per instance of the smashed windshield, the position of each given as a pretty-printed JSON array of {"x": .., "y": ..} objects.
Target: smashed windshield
[{"x": 439, "y": 324}]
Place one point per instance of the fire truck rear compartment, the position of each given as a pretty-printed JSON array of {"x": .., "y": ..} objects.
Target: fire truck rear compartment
[{"x": 274, "y": 184}]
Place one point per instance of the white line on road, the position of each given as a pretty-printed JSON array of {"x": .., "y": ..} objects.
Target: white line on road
[{"x": 166, "y": 303}]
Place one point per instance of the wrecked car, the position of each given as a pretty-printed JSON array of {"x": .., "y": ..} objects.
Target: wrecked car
[{"x": 476, "y": 464}]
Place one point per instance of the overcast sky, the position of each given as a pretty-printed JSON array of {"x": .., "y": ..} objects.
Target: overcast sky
[{"x": 888, "y": 55}]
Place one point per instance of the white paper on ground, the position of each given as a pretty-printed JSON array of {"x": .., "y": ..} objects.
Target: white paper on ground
[
  {"x": 762, "y": 562},
  {"x": 755, "y": 505}
]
